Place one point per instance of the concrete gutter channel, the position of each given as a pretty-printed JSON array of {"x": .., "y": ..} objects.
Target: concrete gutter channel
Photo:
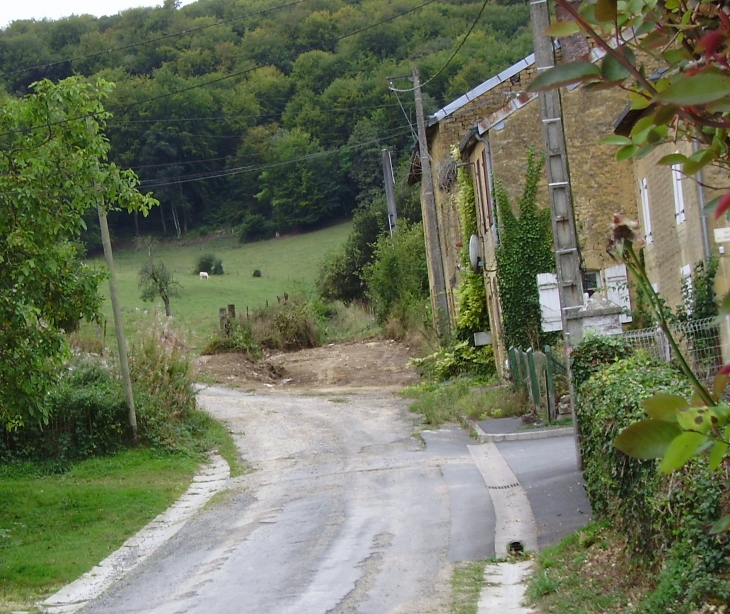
[
  {"x": 515, "y": 527},
  {"x": 555, "y": 490}
]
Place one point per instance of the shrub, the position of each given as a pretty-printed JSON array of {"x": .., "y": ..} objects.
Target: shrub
[
  {"x": 664, "y": 518},
  {"x": 256, "y": 227},
  {"x": 257, "y": 273},
  {"x": 237, "y": 337},
  {"x": 398, "y": 272},
  {"x": 209, "y": 263},
  {"x": 595, "y": 352},
  {"x": 459, "y": 359},
  {"x": 292, "y": 325},
  {"x": 86, "y": 417}
]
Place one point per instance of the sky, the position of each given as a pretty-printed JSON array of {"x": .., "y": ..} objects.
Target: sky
[{"x": 10, "y": 10}]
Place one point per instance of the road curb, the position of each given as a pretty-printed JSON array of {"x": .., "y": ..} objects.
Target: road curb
[
  {"x": 211, "y": 478},
  {"x": 545, "y": 433}
]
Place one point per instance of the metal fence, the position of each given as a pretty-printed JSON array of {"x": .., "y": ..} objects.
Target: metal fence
[{"x": 698, "y": 340}]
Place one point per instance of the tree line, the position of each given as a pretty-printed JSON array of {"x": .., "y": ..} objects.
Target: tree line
[{"x": 262, "y": 115}]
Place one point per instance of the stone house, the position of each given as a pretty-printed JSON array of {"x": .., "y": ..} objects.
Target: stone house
[{"x": 493, "y": 126}]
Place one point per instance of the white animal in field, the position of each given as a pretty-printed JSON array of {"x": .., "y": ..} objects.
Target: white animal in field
[{"x": 203, "y": 275}]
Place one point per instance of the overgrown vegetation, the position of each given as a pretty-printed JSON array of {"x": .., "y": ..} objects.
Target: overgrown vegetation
[
  {"x": 594, "y": 353},
  {"x": 664, "y": 519},
  {"x": 464, "y": 399},
  {"x": 466, "y": 585},
  {"x": 524, "y": 250}
]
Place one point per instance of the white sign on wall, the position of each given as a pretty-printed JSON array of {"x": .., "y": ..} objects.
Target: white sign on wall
[{"x": 722, "y": 235}]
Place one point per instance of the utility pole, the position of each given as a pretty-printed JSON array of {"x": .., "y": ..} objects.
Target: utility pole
[
  {"x": 389, "y": 191},
  {"x": 116, "y": 311},
  {"x": 439, "y": 300},
  {"x": 118, "y": 328},
  {"x": 567, "y": 256}
]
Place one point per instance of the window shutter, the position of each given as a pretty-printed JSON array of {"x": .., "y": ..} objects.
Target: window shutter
[
  {"x": 644, "y": 189},
  {"x": 617, "y": 287},
  {"x": 547, "y": 286},
  {"x": 678, "y": 193}
]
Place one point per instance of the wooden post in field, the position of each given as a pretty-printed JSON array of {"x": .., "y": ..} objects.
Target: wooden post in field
[
  {"x": 222, "y": 317},
  {"x": 232, "y": 312}
]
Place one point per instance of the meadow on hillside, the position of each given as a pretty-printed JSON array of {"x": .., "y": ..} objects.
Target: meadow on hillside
[{"x": 288, "y": 264}]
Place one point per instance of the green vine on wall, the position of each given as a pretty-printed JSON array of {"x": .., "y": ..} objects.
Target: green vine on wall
[
  {"x": 472, "y": 314},
  {"x": 524, "y": 250}
]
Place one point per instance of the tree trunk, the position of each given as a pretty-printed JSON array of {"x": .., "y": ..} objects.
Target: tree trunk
[
  {"x": 175, "y": 220},
  {"x": 166, "y": 300},
  {"x": 162, "y": 215},
  {"x": 136, "y": 223}
]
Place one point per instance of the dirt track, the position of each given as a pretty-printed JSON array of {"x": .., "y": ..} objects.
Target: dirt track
[{"x": 364, "y": 365}]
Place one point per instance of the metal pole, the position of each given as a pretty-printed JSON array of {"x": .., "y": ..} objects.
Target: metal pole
[
  {"x": 389, "y": 190},
  {"x": 567, "y": 256},
  {"x": 430, "y": 222}
]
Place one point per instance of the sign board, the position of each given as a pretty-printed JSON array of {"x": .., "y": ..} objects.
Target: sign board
[
  {"x": 722, "y": 235},
  {"x": 482, "y": 339}
]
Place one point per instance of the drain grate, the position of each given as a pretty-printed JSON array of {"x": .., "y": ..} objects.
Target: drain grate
[{"x": 515, "y": 485}]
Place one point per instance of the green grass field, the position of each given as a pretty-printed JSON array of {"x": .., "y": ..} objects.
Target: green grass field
[
  {"x": 288, "y": 264},
  {"x": 56, "y": 527}
]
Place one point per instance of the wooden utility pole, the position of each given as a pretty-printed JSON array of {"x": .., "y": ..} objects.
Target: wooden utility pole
[
  {"x": 439, "y": 300},
  {"x": 567, "y": 256},
  {"x": 389, "y": 191},
  {"x": 118, "y": 328}
]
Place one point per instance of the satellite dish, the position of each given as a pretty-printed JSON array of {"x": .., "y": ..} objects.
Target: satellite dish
[{"x": 474, "y": 257}]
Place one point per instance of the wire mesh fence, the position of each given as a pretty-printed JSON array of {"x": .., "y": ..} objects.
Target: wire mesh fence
[{"x": 698, "y": 340}]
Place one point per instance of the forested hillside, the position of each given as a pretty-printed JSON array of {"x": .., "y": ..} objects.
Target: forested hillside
[{"x": 263, "y": 114}]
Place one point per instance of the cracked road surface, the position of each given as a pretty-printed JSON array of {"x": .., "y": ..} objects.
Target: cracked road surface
[{"x": 343, "y": 511}]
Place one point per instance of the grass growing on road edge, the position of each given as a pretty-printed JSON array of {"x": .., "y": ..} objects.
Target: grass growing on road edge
[
  {"x": 53, "y": 528},
  {"x": 586, "y": 573},
  {"x": 463, "y": 399},
  {"x": 466, "y": 585}
]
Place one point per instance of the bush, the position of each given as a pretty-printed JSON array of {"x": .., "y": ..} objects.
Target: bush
[
  {"x": 237, "y": 337},
  {"x": 291, "y": 325},
  {"x": 256, "y": 227},
  {"x": 459, "y": 359},
  {"x": 209, "y": 263},
  {"x": 398, "y": 272},
  {"x": 595, "y": 352},
  {"x": 664, "y": 518},
  {"x": 87, "y": 417}
]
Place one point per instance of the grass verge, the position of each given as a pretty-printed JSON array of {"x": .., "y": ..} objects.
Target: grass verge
[
  {"x": 588, "y": 572},
  {"x": 466, "y": 585},
  {"x": 53, "y": 528},
  {"x": 463, "y": 399}
]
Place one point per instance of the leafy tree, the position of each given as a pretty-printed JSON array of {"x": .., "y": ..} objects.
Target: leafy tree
[
  {"x": 53, "y": 168},
  {"x": 155, "y": 280}
]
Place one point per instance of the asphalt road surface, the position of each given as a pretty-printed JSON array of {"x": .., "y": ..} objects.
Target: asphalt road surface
[{"x": 343, "y": 511}]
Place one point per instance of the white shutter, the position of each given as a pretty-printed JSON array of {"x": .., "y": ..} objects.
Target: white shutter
[
  {"x": 547, "y": 286},
  {"x": 687, "y": 287},
  {"x": 617, "y": 289},
  {"x": 644, "y": 189},
  {"x": 678, "y": 193}
]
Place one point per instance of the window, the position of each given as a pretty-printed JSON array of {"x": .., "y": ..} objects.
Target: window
[
  {"x": 644, "y": 189},
  {"x": 678, "y": 194},
  {"x": 591, "y": 281}
]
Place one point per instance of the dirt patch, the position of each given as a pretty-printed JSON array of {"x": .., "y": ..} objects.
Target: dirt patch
[{"x": 372, "y": 364}]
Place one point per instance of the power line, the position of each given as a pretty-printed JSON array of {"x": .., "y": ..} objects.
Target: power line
[
  {"x": 47, "y": 125},
  {"x": 119, "y": 123},
  {"x": 392, "y": 132},
  {"x": 247, "y": 169},
  {"x": 453, "y": 55},
  {"x": 149, "y": 41}
]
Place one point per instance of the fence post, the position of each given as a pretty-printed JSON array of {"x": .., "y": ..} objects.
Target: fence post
[
  {"x": 534, "y": 383},
  {"x": 232, "y": 312},
  {"x": 513, "y": 367},
  {"x": 222, "y": 317},
  {"x": 549, "y": 383}
]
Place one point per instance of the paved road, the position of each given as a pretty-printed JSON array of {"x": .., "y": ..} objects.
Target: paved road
[{"x": 343, "y": 511}]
